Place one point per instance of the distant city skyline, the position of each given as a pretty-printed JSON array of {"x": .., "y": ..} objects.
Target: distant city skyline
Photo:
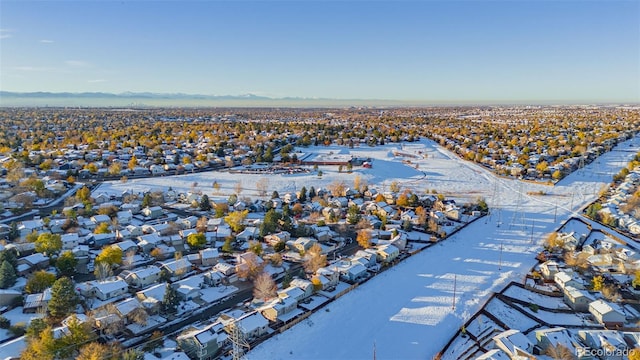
[{"x": 431, "y": 51}]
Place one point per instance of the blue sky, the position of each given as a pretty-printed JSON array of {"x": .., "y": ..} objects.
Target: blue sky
[{"x": 400, "y": 50}]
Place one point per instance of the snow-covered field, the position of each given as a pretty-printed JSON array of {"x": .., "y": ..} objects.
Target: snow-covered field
[{"x": 407, "y": 312}]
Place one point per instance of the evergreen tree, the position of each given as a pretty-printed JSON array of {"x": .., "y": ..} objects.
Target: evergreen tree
[
  {"x": 227, "y": 246},
  {"x": 7, "y": 275},
  {"x": 13, "y": 231},
  {"x": 10, "y": 255},
  {"x": 66, "y": 264},
  {"x": 270, "y": 223},
  {"x": 170, "y": 300},
  {"x": 303, "y": 195},
  {"x": 312, "y": 193},
  {"x": 63, "y": 298},
  {"x": 146, "y": 200},
  {"x": 353, "y": 215},
  {"x": 205, "y": 204}
]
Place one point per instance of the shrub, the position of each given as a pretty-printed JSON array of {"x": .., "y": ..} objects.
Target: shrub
[{"x": 4, "y": 323}]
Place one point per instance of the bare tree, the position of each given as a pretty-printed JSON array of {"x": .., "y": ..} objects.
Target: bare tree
[
  {"x": 238, "y": 187},
  {"x": 249, "y": 266},
  {"x": 139, "y": 316},
  {"x": 102, "y": 270},
  {"x": 560, "y": 352},
  {"x": 201, "y": 225},
  {"x": 264, "y": 287},
  {"x": 262, "y": 186}
]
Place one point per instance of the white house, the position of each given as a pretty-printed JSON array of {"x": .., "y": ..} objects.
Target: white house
[
  {"x": 209, "y": 256},
  {"x": 387, "y": 253},
  {"x": 70, "y": 240},
  {"x": 564, "y": 279},
  {"x": 578, "y": 300},
  {"x": 141, "y": 277},
  {"x": 177, "y": 268},
  {"x": 153, "y": 212},
  {"x": 108, "y": 289},
  {"x": 607, "y": 314},
  {"x": 515, "y": 344}
]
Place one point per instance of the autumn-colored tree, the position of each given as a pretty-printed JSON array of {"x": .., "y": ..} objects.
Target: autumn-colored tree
[
  {"x": 39, "y": 281},
  {"x": 597, "y": 283},
  {"x": 133, "y": 162},
  {"x": 196, "y": 241},
  {"x": 235, "y": 220},
  {"x": 249, "y": 266},
  {"x": 337, "y": 188},
  {"x": 364, "y": 238},
  {"x": 111, "y": 255},
  {"x": 403, "y": 199},
  {"x": 394, "y": 187},
  {"x": 102, "y": 228},
  {"x": 48, "y": 243},
  {"x": 314, "y": 259}
]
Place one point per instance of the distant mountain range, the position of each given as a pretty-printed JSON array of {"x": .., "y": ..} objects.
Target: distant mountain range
[
  {"x": 149, "y": 99},
  {"x": 133, "y": 95}
]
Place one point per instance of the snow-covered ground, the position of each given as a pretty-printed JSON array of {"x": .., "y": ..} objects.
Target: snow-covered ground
[{"x": 407, "y": 312}]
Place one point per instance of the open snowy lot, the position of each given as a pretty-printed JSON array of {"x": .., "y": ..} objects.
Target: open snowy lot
[{"x": 407, "y": 312}]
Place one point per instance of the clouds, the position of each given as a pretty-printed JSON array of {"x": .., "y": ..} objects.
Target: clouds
[
  {"x": 95, "y": 81},
  {"x": 45, "y": 41},
  {"x": 6, "y": 33}
]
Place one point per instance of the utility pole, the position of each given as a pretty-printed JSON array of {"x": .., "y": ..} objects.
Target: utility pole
[
  {"x": 500, "y": 258},
  {"x": 453, "y": 305},
  {"x": 533, "y": 224}
]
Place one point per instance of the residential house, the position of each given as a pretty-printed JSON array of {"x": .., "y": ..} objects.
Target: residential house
[
  {"x": 292, "y": 292},
  {"x": 100, "y": 240},
  {"x": 248, "y": 234},
  {"x": 553, "y": 337},
  {"x": 609, "y": 341},
  {"x": 302, "y": 244},
  {"x": 126, "y": 246},
  {"x": 124, "y": 217},
  {"x": 549, "y": 269},
  {"x": 329, "y": 277},
  {"x": 141, "y": 277},
  {"x": 564, "y": 279},
  {"x": 275, "y": 309},
  {"x": 31, "y": 263},
  {"x": 515, "y": 344},
  {"x": 101, "y": 219},
  {"x": 70, "y": 240},
  {"x": 387, "y": 253},
  {"x": 253, "y": 325},
  {"x": 153, "y": 212},
  {"x": 493, "y": 354},
  {"x": 205, "y": 343},
  {"x": 305, "y": 285},
  {"x": 35, "y": 302},
  {"x": 578, "y": 300},
  {"x": 106, "y": 289},
  {"x": 273, "y": 239},
  {"x": 151, "y": 297},
  {"x": 177, "y": 268},
  {"x": 214, "y": 277},
  {"x": 606, "y": 313},
  {"x": 209, "y": 256}
]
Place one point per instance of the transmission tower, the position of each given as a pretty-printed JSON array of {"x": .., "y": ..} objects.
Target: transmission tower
[
  {"x": 238, "y": 340},
  {"x": 518, "y": 214}
]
